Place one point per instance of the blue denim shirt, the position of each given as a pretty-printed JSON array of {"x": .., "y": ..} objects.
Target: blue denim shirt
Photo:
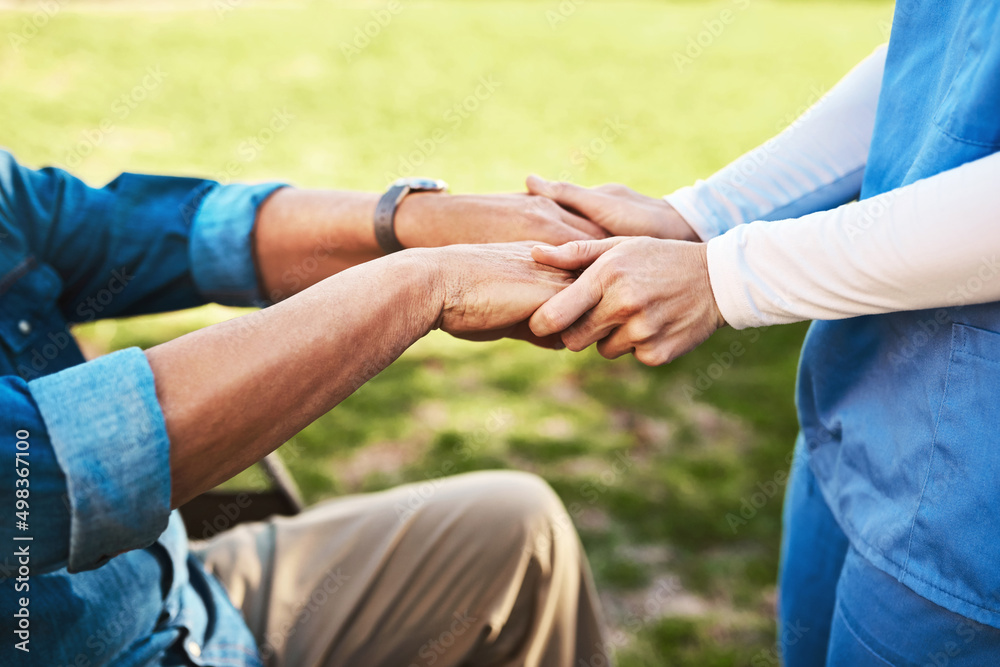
[
  {"x": 900, "y": 413},
  {"x": 107, "y": 578}
]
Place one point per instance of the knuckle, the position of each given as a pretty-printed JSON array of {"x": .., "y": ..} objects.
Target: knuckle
[
  {"x": 582, "y": 248},
  {"x": 574, "y": 342},
  {"x": 614, "y": 272},
  {"x": 654, "y": 355},
  {"x": 623, "y": 311},
  {"x": 548, "y": 319},
  {"x": 608, "y": 352},
  {"x": 612, "y": 189},
  {"x": 630, "y": 297},
  {"x": 543, "y": 207},
  {"x": 643, "y": 328}
]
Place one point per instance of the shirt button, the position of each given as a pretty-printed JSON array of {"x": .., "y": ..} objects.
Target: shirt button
[
  {"x": 193, "y": 648},
  {"x": 24, "y": 326}
]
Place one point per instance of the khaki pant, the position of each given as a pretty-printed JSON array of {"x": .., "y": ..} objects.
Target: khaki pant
[{"x": 482, "y": 569}]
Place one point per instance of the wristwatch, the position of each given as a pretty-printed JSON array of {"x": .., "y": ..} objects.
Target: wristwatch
[{"x": 385, "y": 212}]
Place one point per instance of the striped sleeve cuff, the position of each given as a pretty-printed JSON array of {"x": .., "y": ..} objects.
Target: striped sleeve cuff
[{"x": 110, "y": 439}]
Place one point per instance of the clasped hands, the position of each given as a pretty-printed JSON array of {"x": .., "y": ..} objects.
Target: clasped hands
[{"x": 638, "y": 285}]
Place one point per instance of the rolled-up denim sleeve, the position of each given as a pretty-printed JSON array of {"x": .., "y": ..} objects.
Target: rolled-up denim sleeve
[
  {"x": 109, "y": 436},
  {"x": 140, "y": 244},
  {"x": 221, "y": 243},
  {"x": 30, "y": 473}
]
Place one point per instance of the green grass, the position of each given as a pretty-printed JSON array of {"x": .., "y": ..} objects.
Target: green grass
[{"x": 649, "y": 476}]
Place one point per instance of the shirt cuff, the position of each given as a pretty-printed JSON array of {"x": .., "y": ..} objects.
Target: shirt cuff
[
  {"x": 700, "y": 212},
  {"x": 221, "y": 243},
  {"x": 110, "y": 438},
  {"x": 727, "y": 275}
]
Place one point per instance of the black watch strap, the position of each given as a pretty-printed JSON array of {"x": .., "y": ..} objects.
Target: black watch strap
[{"x": 385, "y": 218}]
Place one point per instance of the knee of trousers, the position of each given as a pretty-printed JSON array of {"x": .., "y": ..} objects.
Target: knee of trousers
[{"x": 521, "y": 506}]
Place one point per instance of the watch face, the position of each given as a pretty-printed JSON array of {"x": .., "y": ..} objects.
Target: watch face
[{"x": 423, "y": 184}]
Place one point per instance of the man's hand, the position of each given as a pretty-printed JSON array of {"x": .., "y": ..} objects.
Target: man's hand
[
  {"x": 618, "y": 209},
  {"x": 430, "y": 220},
  {"x": 305, "y": 236},
  {"x": 647, "y": 296},
  {"x": 232, "y": 392},
  {"x": 489, "y": 291}
]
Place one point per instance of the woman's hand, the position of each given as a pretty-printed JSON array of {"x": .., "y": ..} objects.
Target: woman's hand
[
  {"x": 646, "y": 296},
  {"x": 618, "y": 209}
]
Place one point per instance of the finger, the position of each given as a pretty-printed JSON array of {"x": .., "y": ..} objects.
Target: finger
[
  {"x": 613, "y": 189},
  {"x": 574, "y": 255},
  {"x": 522, "y": 331},
  {"x": 584, "y": 200},
  {"x": 547, "y": 221},
  {"x": 559, "y": 233},
  {"x": 592, "y": 230},
  {"x": 566, "y": 307},
  {"x": 616, "y": 344},
  {"x": 591, "y": 327},
  {"x": 519, "y": 331},
  {"x": 657, "y": 352}
]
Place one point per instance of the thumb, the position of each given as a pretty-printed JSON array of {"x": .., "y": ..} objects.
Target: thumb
[
  {"x": 575, "y": 254},
  {"x": 585, "y": 201}
]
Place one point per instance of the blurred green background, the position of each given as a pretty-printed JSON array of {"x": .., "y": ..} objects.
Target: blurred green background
[{"x": 654, "y": 464}]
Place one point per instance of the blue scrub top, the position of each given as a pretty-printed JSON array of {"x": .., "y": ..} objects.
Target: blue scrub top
[{"x": 900, "y": 413}]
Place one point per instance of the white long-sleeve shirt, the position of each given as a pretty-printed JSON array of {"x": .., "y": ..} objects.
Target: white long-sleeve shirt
[{"x": 930, "y": 244}]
